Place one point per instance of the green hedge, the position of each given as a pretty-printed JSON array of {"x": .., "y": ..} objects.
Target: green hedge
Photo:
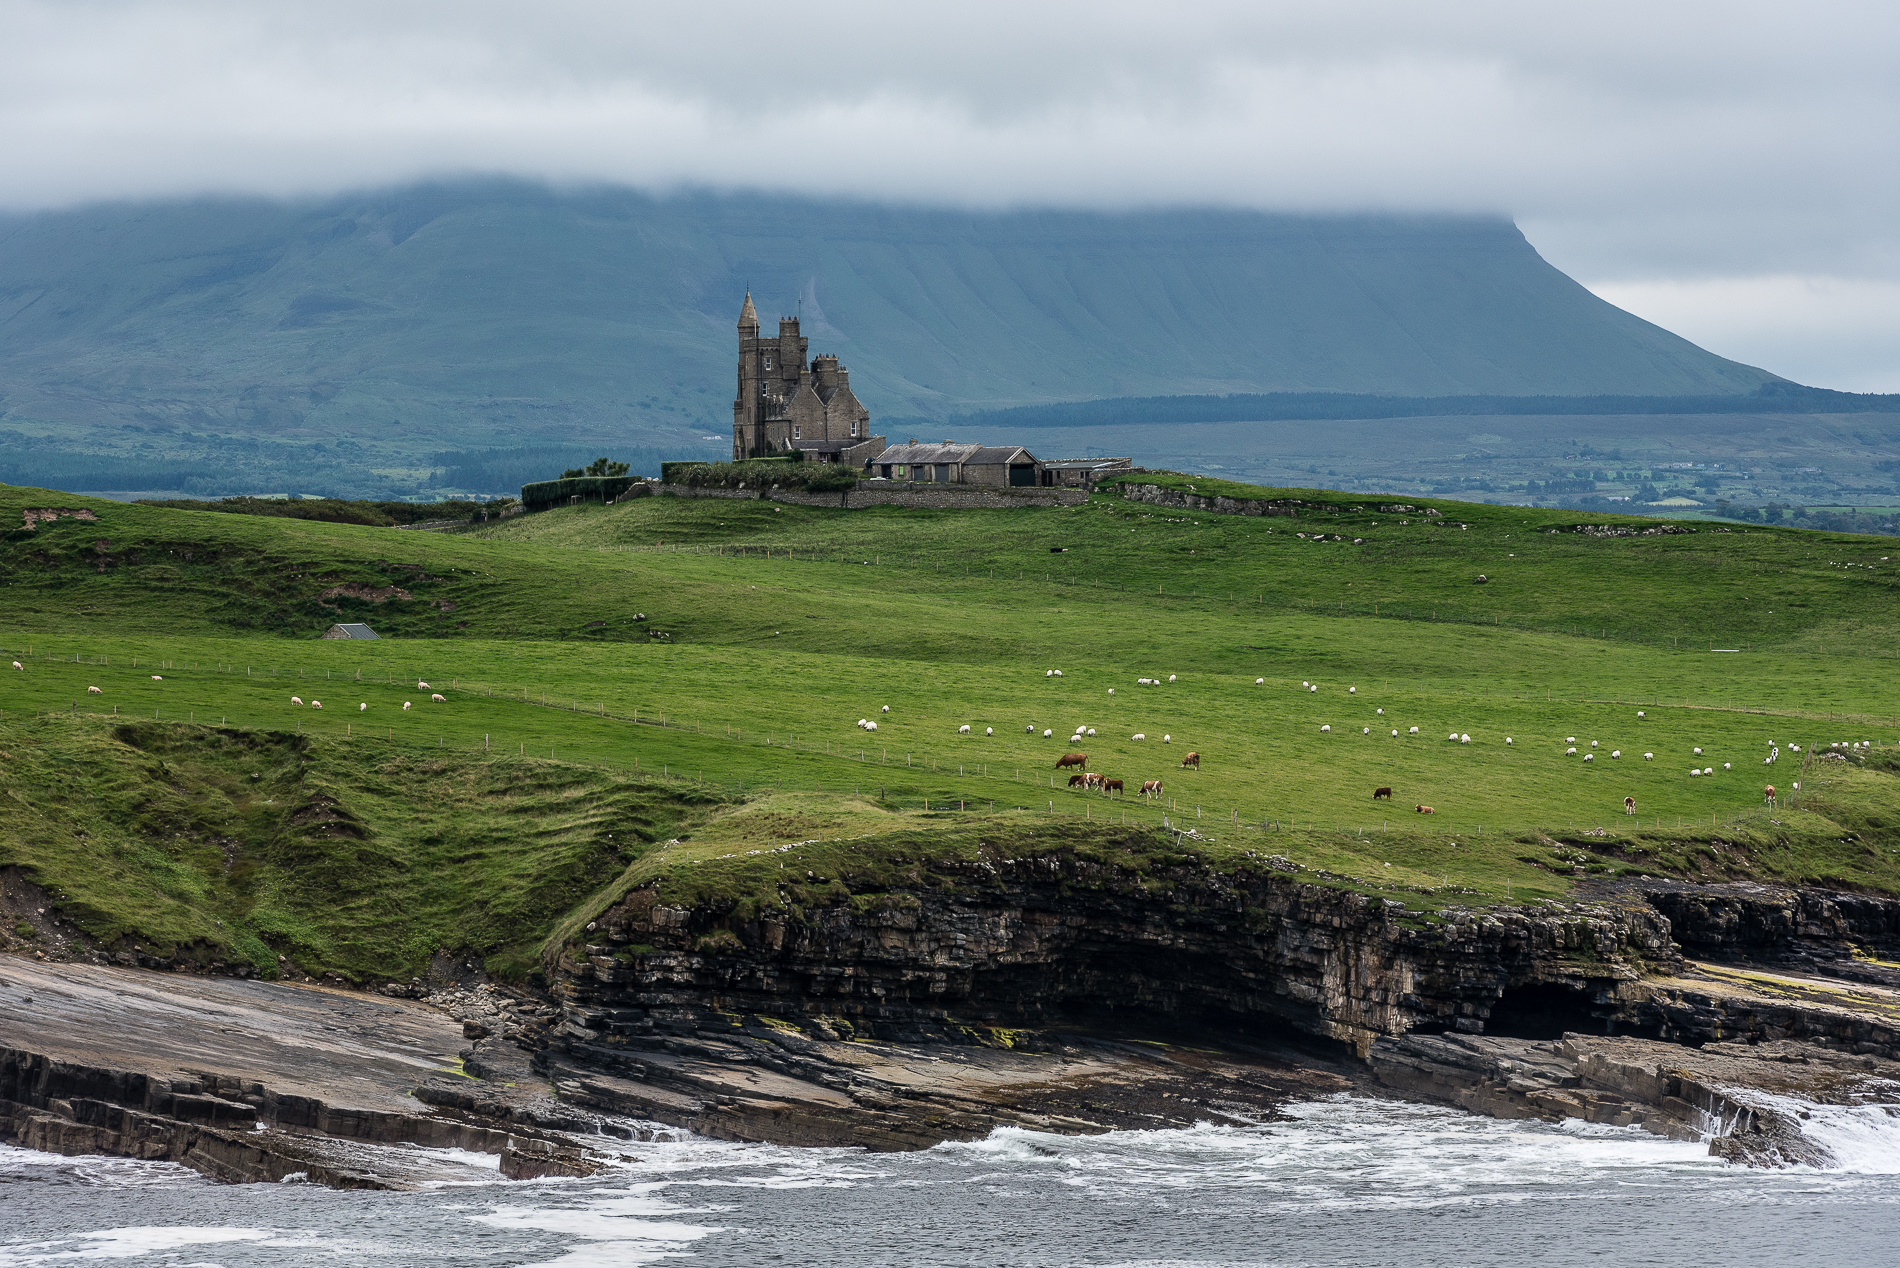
[
  {"x": 544, "y": 494},
  {"x": 813, "y": 477}
]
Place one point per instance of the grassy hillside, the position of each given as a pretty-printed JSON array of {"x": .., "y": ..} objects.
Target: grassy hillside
[
  {"x": 784, "y": 626},
  {"x": 341, "y": 345}
]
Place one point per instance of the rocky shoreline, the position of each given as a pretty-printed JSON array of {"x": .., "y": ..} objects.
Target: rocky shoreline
[{"x": 1047, "y": 993}]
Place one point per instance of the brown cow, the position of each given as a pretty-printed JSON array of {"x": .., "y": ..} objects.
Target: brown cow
[
  {"x": 1425, "y": 810},
  {"x": 1192, "y": 759},
  {"x": 1386, "y": 793},
  {"x": 1768, "y": 794},
  {"x": 1072, "y": 759},
  {"x": 1113, "y": 785},
  {"x": 1074, "y": 780},
  {"x": 1091, "y": 780},
  {"x": 1629, "y": 805},
  {"x": 1151, "y": 788}
]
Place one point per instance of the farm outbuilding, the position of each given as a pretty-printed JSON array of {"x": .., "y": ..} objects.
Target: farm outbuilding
[
  {"x": 350, "y": 631},
  {"x": 952, "y": 463}
]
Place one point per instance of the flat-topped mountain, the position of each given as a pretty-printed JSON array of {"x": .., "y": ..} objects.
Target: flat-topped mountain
[{"x": 498, "y": 313}]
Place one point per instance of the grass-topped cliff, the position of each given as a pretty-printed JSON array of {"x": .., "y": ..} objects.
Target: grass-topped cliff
[{"x": 479, "y": 822}]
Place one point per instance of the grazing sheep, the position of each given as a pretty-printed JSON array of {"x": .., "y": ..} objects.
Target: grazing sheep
[
  {"x": 1698, "y": 752},
  {"x": 1048, "y": 673},
  {"x": 1629, "y": 805},
  {"x": 1695, "y": 770},
  {"x": 989, "y": 730},
  {"x": 1141, "y": 682},
  {"x": 1616, "y": 752},
  {"x": 296, "y": 700},
  {"x": 1649, "y": 757},
  {"x": 1453, "y": 736},
  {"x": 886, "y": 709},
  {"x": 1048, "y": 733},
  {"x": 316, "y": 704},
  {"x": 1797, "y": 785},
  {"x": 1111, "y": 691},
  {"x": 1029, "y": 730},
  {"x": 1170, "y": 677},
  {"x": 405, "y": 706},
  {"x": 1395, "y": 732},
  {"x": 1570, "y": 750},
  {"x": 1258, "y": 681},
  {"x": 1352, "y": 691},
  {"x": 94, "y": 691},
  {"x": 1725, "y": 766},
  {"x": 870, "y": 726},
  {"x": 1365, "y": 730},
  {"x": 1139, "y": 735},
  {"x": 1091, "y": 731},
  {"x": 1464, "y": 739},
  {"x": 1570, "y": 739},
  {"x": 1326, "y": 728},
  {"x": 1640, "y": 714},
  {"x": 1312, "y": 688},
  {"x": 421, "y": 685},
  {"x": 1593, "y": 744},
  {"x": 1413, "y": 731},
  {"x": 18, "y": 665},
  {"x": 1589, "y": 757},
  {"x": 1303, "y": 681},
  {"x": 1167, "y": 739},
  {"x": 439, "y": 698},
  {"x": 1382, "y": 713},
  {"x": 362, "y": 708},
  {"x": 1507, "y": 739},
  {"x": 157, "y": 678},
  {"x": 1058, "y": 673},
  {"x": 964, "y": 729}
]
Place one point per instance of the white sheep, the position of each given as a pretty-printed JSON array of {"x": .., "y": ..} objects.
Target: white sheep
[
  {"x": 887, "y": 709},
  {"x": 1570, "y": 739},
  {"x": 316, "y": 704},
  {"x": 989, "y": 730},
  {"x": 1725, "y": 766},
  {"x": 1326, "y": 728},
  {"x": 1058, "y": 673},
  {"x": 1314, "y": 688},
  {"x": 1259, "y": 681},
  {"x": 1616, "y": 752},
  {"x": 1507, "y": 739},
  {"x": 1698, "y": 752},
  {"x": 1141, "y": 682},
  {"x": 1641, "y": 714},
  {"x": 1167, "y": 739},
  {"x": 94, "y": 691},
  {"x": 1570, "y": 750},
  {"x": 1792, "y": 748},
  {"x": 1464, "y": 739},
  {"x": 1111, "y": 691},
  {"x": 1708, "y": 770},
  {"x": 19, "y": 666},
  {"x": 1453, "y": 736},
  {"x": 157, "y": 678},
  {"x": 1593, "y": 744},
  {"x": 1029, "y": 730},
  {"x": 964, "y": 729},
  {"x": 421, "y": 685},
  {"x": 1395, "y": 731},
  {"x": 405, "y": 706},
  {"x": 1091, "y": 732},
  {"x": 1367, "y": 730},
  {"x": 1695, "y": 770},
  {"x": 1352, "y": 691},
  {"x": 1048, "y": 673},
  {"x": 1649, "y": 757},
  {"x": 870, "y": 726},
  {"x": 1170, "y": 677},
  {"x": 439, "y": 698},
  {"x": 1047, "y": 733},
  {"x": 296, "y": 700},
  {"x": 1589, "y": 757},
  {"x": 1382, "y": 713},
  {"x": 362, "y": 708},
  {"x": 1303, "y": 682},
  {"x": 1139, "y": 735},
  {"x": 1413, "y": 731}
]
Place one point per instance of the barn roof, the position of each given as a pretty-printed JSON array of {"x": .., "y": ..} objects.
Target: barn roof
[
  {"x": 948, "y": 451},
  {"x": 355, "y": 631}
]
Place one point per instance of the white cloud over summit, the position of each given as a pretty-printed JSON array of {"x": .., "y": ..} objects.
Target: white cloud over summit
[{"x": 1668, "y": 149}]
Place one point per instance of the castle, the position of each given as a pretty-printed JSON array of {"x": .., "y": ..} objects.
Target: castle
[{"x": 785, "y": 403}]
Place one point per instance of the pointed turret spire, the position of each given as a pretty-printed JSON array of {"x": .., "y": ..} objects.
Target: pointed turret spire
[{"x": 748, "y": 316}]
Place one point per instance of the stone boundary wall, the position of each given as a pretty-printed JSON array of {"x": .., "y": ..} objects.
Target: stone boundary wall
[
  {"x": 1159, "y": 495},
  {"x": 932, "y": 497}
]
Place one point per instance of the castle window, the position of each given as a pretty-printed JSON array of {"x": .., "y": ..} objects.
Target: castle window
[
  {"x": 796, "y": 432},
  {"x": 768, "y": 363},
  {"x": 854, "y": 429}
]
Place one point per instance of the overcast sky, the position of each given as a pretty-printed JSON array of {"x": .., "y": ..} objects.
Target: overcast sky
[{"x": 1728, "y": 170}]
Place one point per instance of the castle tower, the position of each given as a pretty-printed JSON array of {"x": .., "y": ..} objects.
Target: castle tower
[{"x": 770, "y": 369}]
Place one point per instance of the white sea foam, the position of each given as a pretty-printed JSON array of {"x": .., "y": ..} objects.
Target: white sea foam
[
  {"x": 614, "y": 1226},
  {"x": 125, "y": 1243},
  {"x": 1864, "y": 1139}
]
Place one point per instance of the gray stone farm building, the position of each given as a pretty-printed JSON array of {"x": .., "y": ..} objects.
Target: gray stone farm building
[
  {"x": 951, "y": 463},
  {"x": 785, "y": 403}
]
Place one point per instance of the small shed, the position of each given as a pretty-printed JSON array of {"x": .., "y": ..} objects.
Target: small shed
[
  {"x": 349, "y": 631},
  {"x": 1068, "y": 473}
]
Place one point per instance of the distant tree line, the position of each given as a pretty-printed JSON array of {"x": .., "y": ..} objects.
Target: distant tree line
[{"x": 1769, "y": 398}]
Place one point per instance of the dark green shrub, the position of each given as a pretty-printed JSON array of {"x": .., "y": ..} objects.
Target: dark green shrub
[{"x": 544, "y": 494}]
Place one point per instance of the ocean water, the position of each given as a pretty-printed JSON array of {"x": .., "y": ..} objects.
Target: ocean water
[{"x": 1350, "y": 1181}]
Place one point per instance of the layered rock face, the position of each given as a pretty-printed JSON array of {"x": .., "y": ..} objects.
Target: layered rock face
[{"x": 1032, "y": 942}]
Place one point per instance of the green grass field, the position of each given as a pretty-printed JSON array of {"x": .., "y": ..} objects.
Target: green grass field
[{"x": 787, "y": 625}]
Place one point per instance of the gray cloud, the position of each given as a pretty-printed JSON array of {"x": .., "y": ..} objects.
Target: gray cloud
[{"x": 1679, "y": 143}]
